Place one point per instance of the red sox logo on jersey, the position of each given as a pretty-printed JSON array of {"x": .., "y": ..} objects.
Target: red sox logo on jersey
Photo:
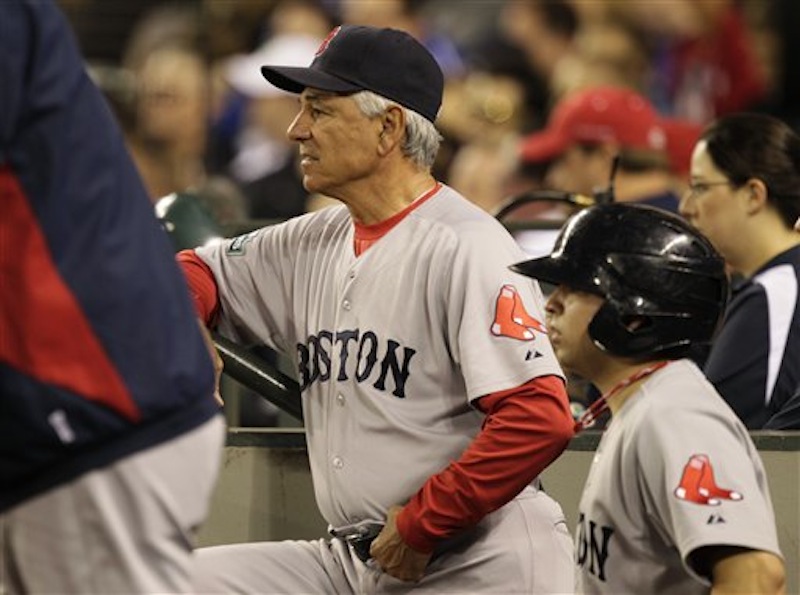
[
  {"x": 511, "y": 319},
  {"x": 699, "y": 486}
]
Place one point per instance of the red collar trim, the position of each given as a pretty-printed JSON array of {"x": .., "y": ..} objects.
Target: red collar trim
[{"x": 372, "y": 233}]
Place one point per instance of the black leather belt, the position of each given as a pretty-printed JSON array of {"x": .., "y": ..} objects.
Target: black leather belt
[{"x": 359, "y": 536}]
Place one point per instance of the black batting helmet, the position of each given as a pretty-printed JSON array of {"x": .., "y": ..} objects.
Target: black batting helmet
[{"x": 647, "y": 263}]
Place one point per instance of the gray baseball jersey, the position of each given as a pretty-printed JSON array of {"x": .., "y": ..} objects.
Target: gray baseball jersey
[
  {"x": 392, "y": 346},
  {"x": 675, "y": 471}
]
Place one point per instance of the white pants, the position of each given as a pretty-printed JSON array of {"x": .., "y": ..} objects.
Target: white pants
[
  {"x": 126, "y": 528},
  {"x": 524, "y": 547}
]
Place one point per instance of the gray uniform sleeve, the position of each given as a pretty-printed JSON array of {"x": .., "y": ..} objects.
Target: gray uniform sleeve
[
  {"x": 253, "y": 276},
  {"x": 495, "y": 317},
  {"x": 703, "y": 481}
]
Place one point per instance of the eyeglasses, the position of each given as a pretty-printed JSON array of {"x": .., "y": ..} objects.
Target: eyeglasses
[{"x": 698, "y": 188}]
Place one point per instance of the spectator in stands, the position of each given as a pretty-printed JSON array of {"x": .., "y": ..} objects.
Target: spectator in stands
[
  {"x": 265, "y": 161},
  {"x": 704, "y": 57},
  {"x": 588, "y": 129},
  {"x": 172, "y": 112},
  {"x": 605, "y": 52},
  {"x": 744, "y": 194},
  {"x": 544, "y": 30}
]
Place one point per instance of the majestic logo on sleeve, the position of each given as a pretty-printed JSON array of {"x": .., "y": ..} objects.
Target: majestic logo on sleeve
[
  {"x": 698, "y": 485},
  {"x": 511, "y": 319}
]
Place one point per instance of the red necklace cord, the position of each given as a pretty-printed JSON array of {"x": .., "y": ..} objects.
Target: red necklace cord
[{"x": 600, "y": 406}]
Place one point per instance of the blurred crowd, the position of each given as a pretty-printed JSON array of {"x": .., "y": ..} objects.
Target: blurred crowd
[
  {"x": 544, "y": 99},
  {"x": 183, "y": 78}
]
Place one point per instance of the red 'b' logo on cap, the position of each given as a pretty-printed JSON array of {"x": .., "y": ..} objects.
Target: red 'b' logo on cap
[{"x": 327, "y": 41}]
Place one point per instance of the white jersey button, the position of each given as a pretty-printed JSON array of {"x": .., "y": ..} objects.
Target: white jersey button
[
  {"x": 352, "y": 275},
  {"x": 346, "y": 304},
  {"x": 340, "y": 400},
  {"x": 337, "y": 462}
]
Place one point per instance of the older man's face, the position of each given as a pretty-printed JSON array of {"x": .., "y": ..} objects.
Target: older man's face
[{"x": 338, "y": 143}]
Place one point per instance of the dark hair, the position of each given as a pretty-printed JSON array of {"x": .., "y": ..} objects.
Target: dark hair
[{"x": 750, "y": 145}]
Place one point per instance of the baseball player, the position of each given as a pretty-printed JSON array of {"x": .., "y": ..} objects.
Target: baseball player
[
  {"x": 431, "y": 396},
  {"x": 676, "y": 500},
  {"x": 109, "y": 434}
]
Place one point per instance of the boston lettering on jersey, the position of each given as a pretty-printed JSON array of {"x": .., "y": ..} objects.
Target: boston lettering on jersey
[
  {"x": 360, "y": 355},
  {"x": 592, "y": 546}
]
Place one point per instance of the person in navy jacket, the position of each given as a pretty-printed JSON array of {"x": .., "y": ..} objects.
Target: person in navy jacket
[{"x": 109, "y": 431}]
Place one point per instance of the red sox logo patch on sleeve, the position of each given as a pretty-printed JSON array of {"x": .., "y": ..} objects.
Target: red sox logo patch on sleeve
[
  {"x": 699, "y": 486},
  {"x": 511, "y": 319}
]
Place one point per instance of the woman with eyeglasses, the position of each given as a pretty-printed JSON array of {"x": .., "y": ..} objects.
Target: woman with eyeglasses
[{"x": 744, "y": 195}]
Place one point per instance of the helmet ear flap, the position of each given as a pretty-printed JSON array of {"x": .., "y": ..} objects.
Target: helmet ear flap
[
  {"x": 637, "y": 335},
  {"x": 621, "y": 335}
]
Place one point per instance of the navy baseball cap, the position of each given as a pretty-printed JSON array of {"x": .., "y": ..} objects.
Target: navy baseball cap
[{"x": 356, "y": 58}]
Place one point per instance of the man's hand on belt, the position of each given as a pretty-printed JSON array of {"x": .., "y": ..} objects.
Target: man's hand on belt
[{"x": 393, "y": 555}]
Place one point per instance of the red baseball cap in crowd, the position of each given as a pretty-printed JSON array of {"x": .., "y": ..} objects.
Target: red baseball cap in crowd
[
  {"x": 682, "y": 136},
  {"x": 595, "y": 115},
  {"x": 353, "y": 58}
]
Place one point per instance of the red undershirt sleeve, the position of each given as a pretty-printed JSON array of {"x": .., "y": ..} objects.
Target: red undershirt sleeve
[
  {"x": 526, "y": 428},
  {"x": 202, "y": 286}
]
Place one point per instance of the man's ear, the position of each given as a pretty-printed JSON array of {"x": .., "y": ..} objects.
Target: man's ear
[{"x": 393, "y": 128}]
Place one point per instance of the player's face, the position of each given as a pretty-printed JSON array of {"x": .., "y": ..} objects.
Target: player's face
[
  {"x": 338, "y": 143},
  {"x": 714, "y": 206},
  {"x": 569, "y": 313}
]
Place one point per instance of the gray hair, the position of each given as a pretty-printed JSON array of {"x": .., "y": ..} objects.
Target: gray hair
[{"x": 422, "y": 138}]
